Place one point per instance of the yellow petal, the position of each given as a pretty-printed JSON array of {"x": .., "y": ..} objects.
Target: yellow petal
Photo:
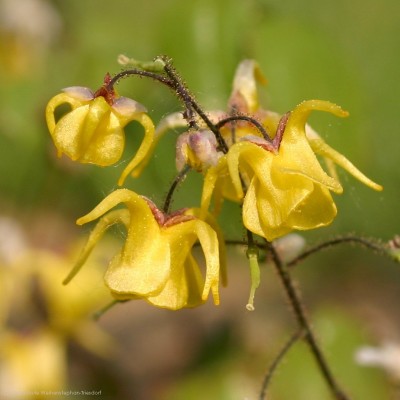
[
  {"x": 87, "y": 134},
  {"x": 302, "y": 111},
  {"x": 211, "y": 220},
  {"x": 210, "y": 181},
  {"x": 295, "y": 153},
  {"x": 111, "y": 218},
  {"x": 183, "y": 287},
  {"x": 56, "y": 101},
  {"x": 113, "y": 199},
  {"x": 316, "y": 210},
  {"x": 68, "y": 129},
  {"x": 320, "y": 147},
  {"x": 143, "y": 265},
  {"x": 106, "y": 144},
  {"x": 145, "y": 151},
  {"x": 191, "y": 230},
  {"x": 265, "y": 211},
  {"x": 245, "y": 150},
  {"x": 143, "y": 271},
  {"x": 209, "y": 243}
]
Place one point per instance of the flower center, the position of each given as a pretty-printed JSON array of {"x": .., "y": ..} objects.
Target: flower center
[
  {"x": 104, "y": 91},
  {"x": 166, "y": 220}
]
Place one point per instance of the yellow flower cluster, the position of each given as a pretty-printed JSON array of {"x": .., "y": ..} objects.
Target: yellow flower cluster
[{"x": 265, "y": 161}]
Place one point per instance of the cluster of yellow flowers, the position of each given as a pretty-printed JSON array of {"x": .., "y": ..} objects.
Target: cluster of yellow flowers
[
  {"x": 258, "y": 158},
  {"x": 38, "y": 320}
]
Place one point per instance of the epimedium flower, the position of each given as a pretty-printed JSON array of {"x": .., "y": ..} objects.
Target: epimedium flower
[
  {"x": 93, "y": 130},
  {"x": 156, "y": 261},
  {"x": 278, "y": 178}
]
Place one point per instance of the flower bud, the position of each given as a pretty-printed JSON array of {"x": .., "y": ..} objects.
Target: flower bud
[{"x": 197, "y": 149}]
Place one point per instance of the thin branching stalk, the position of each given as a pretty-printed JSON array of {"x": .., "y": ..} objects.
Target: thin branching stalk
[
  {"x": 189, "y": 101},
  {"x": 253, "y": 121},
  {"x": 278, "y": 359},
  {"x": 135, "y": 71},
  {"x": 371, "y": 244},
  {"x": 302, "y": 320},
  {"x": 177, "y": 181}
]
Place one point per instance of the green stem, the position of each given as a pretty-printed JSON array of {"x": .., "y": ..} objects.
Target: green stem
[{"x": 103, "y": 310}]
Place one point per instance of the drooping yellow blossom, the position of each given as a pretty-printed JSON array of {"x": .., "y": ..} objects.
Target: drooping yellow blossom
[
  {"x": 93, "y": 130},
  {"x": 279, "y": 179},
  {"x": 156, "y": 261}
]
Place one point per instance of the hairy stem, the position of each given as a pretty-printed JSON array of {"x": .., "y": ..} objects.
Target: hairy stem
[
  {"x": 190, "y": 103},
  {"x": 302, "y": 320},
  {"x": 248, "y": 119},
  {"x": 174, "y": 82},
  {"x": 164, "y": 80},
  {"x": 370, "y": 244},
  {"x": 267, "y": 379}
]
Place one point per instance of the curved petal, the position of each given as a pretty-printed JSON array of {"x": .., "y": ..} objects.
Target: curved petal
[
  {"x": 211, "y": 220},
  {"x": 265, "y": 211},
  {"x": 209, "y": 242},
  {"x": 189, "y": 231},
  {"x": 143, "y": 266},
  {"x": 244, "y": 97},
  {"x": 55, "y": 102},
  {"x": 136, "y": 204},
  {"x": 320, "y": 147},
  {"x": 317, "y": 210},
  {"x": 295, "y": 153},
  {"x": 111, "y": 218},
  {"x": 183, "y": 287},
  {"x": 171, "y": 121},
  {"x": 144, "y": 152},
  {"x": 66, "y": 135},
  {"x": 211, "y": 178},
  {"x": 234, "y": 153},
  {"x": 299, "y": 115}
]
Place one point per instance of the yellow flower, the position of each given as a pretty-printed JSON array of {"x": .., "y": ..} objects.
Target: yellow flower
[
  {"x": 93, "y": 130},
  {"x": 285, "y": 186},
  {"x": 20, "y": 370},
  {"x": 156, "y": 261}
]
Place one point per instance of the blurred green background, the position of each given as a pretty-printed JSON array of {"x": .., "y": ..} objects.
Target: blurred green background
[{"x": 345, "y": 51}]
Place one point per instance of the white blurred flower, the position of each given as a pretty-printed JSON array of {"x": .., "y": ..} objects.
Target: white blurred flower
[
  {"x": 13, "y": 242},
  {"x": 30, "y": 19},
  {"x": 289, "y": 246},
  {"x": 387, "y": 357},
  {"x": 27, "y": 30}
]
